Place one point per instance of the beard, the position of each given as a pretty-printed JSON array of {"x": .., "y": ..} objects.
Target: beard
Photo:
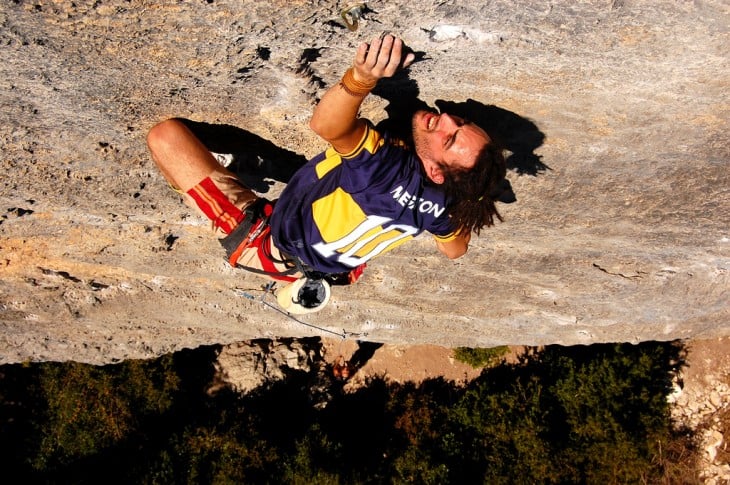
[{"x": 419, "y": 136}]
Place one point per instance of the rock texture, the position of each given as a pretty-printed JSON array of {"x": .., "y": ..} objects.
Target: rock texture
[
  {"x": 615, "y": 114},
  {"x": 701, "y": 402}
]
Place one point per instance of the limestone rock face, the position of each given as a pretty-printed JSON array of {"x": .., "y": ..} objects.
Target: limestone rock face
[{"x": 615, "y": 115}]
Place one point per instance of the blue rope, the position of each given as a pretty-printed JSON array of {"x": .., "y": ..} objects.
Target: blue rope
[{"x": 268, "y": 289}]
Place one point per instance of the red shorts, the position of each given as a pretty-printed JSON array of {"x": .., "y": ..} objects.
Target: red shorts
[{"x": 222, "y": 198}]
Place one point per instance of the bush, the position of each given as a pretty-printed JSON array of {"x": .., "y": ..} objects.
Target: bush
[
  {"x": 561, "y": 415},
  {"x": 480, "y": 357}
]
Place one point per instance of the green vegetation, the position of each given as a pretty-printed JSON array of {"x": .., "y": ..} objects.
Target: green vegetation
[
  {"x": 480, "y": 357},
  {"x": 593, "y": 414}
]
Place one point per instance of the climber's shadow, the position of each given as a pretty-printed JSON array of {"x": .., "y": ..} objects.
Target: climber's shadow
[
  {"x": 365, "y": 351},
  {"x": 255, "y": 160},
  {"x": 342, "y": 370},
  {"x": 513, "y": 132},
  {"x": 516, "y": 134},
  {"x": 402, "y": 93}
]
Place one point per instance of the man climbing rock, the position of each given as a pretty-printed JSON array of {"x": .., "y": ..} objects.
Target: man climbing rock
[{"x": 365, "y": 195}]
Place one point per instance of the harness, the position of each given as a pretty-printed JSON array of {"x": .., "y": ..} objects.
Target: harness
[{"x": 254, "y": 231}]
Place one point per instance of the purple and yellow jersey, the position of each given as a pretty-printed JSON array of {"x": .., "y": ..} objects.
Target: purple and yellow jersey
[{"x": 340, "y": 210}]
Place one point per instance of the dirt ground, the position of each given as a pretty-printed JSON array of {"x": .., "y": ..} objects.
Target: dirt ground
[
  {"x": 708, "y": 362},
  {"x": 703, "y": 404},
  {"x": 402, "y": 363}
]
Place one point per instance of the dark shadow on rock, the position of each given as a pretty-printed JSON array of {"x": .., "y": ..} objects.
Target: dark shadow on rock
[
  {"x": 510, "y": 130},
  {"x": 342, "y": 370},
  {"x": 254, "y": 159},
  {"x": 402, "y": 93},
  {"x": 515, "y": 133},
  {"x": 364, "y": 352}
]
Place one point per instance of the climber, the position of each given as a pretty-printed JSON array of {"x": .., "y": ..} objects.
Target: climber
[{"x": 365, "y": 195}]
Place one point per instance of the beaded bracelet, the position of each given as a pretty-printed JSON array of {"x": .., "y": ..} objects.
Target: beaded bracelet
[{"x": 353, "y": 87}]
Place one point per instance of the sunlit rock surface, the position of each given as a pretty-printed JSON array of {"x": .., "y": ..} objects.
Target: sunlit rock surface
[{"x": 615, "y": 114}]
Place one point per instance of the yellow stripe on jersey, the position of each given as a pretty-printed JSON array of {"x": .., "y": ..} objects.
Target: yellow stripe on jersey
[
  {"x": 368, "y": 133},
  {"x": 371, "y": 141},
  {"x": 371, "y": 233},
  {"x": 448, "y": 237},
  {"x": 385, "y": 236},
  {"x": 331, "y": 160}
]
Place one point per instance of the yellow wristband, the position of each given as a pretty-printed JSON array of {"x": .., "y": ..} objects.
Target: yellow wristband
[{"x": 353, "y": 87}]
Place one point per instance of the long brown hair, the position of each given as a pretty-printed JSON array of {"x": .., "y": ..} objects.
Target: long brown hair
[{"x": 472, "y": 192}]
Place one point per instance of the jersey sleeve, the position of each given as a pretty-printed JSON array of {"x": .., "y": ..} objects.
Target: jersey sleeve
[
  {"x": 369, "y": 144},
  {"x": 446, "y": 238},
  {"x": 443, "y": 230}
]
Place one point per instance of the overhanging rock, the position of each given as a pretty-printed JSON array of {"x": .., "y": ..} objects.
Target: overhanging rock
[{"x": 615, "y": 114}]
